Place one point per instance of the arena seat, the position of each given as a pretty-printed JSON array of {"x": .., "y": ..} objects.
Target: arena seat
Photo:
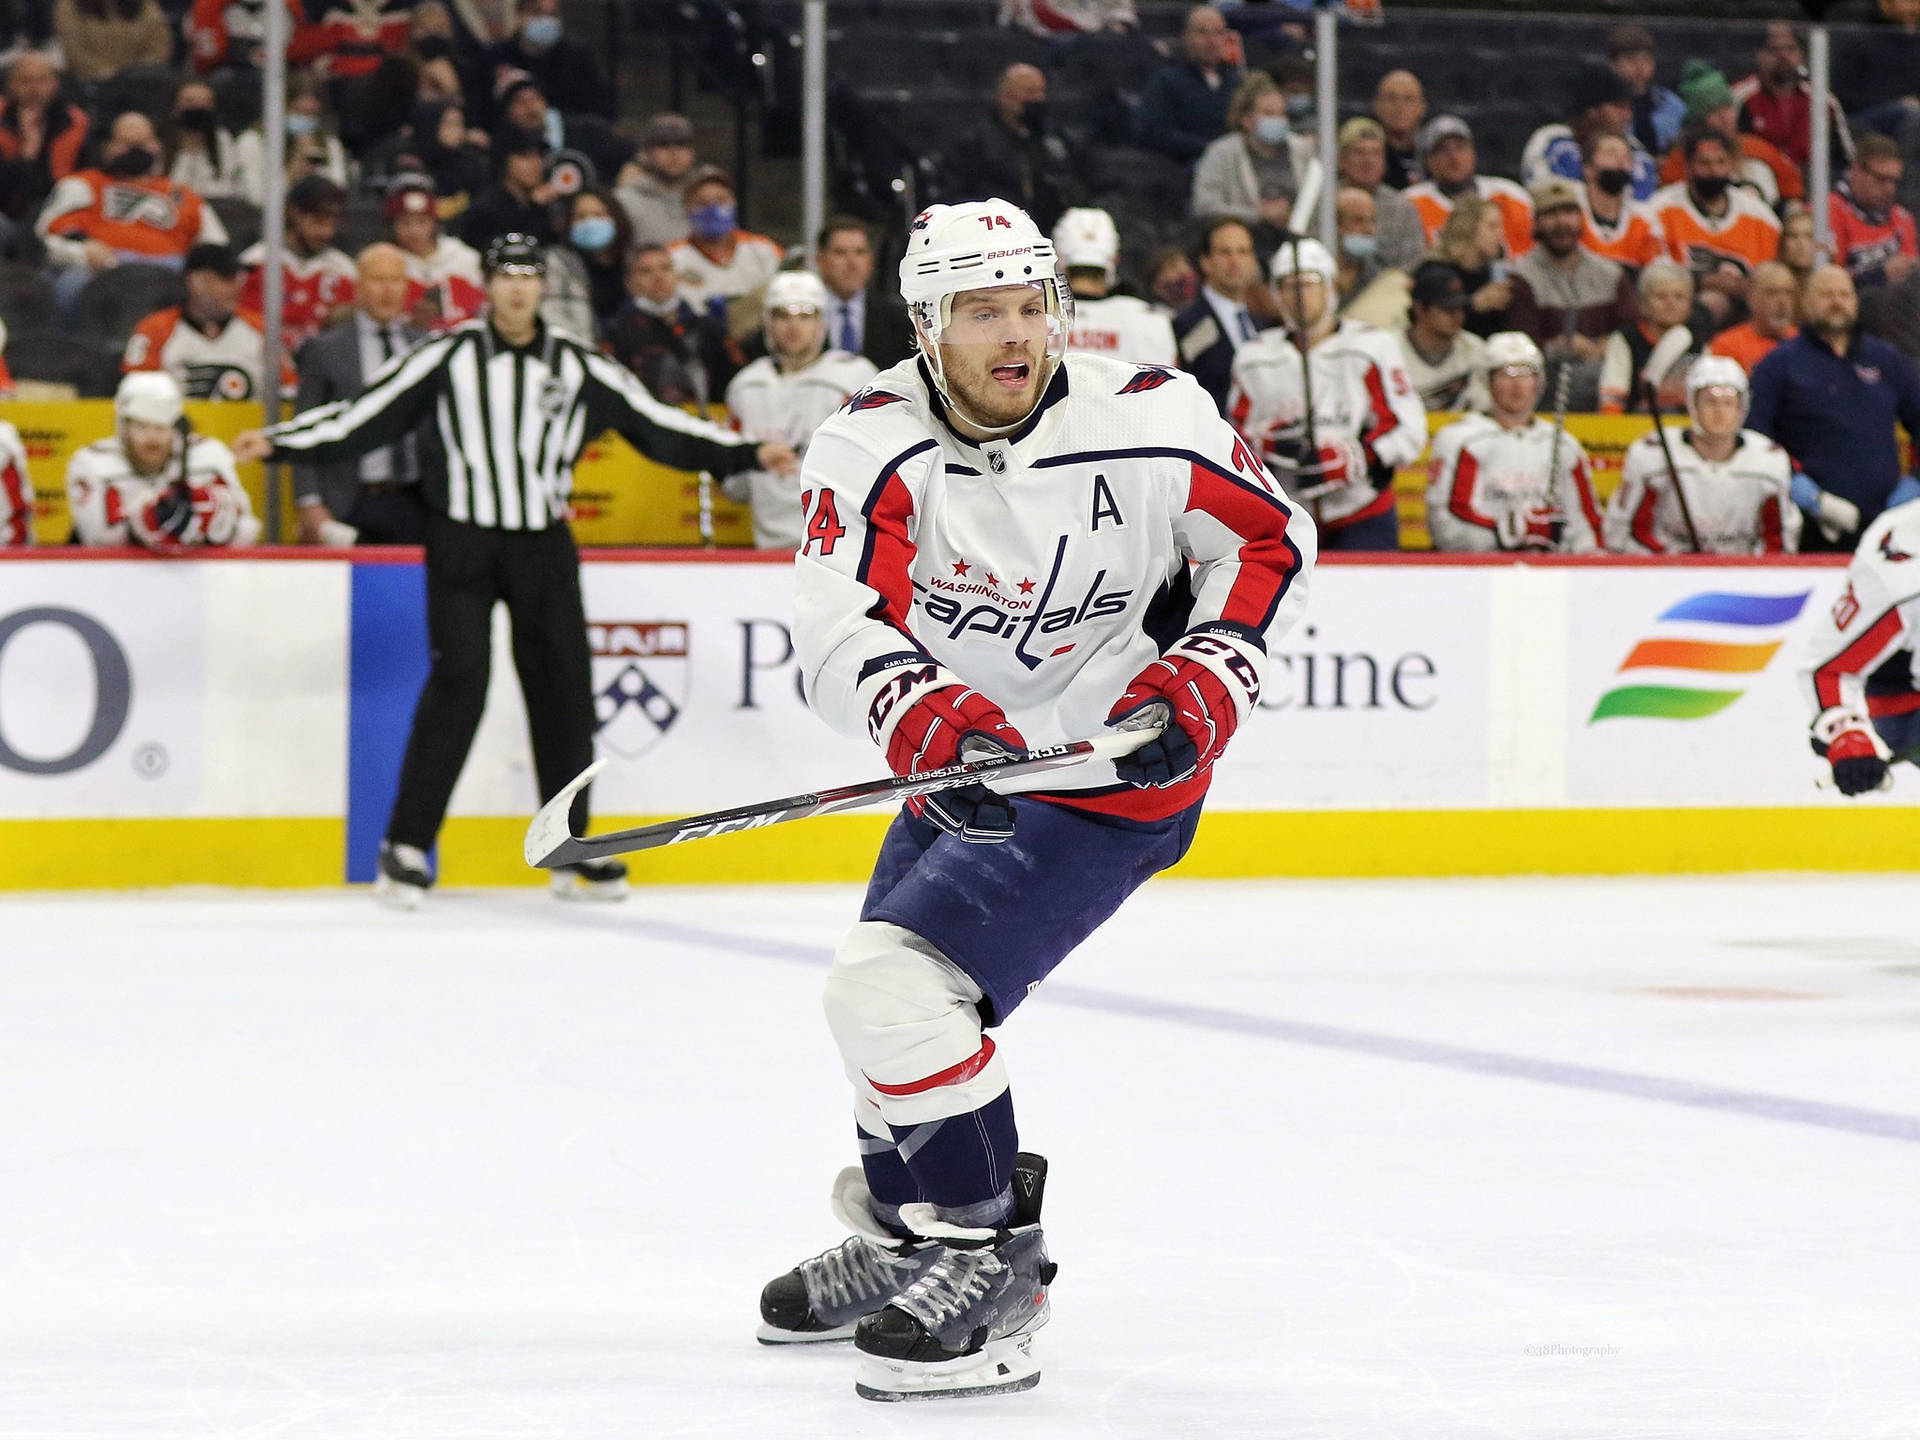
[
  {"x": 92, "y": 370},
  {"x": 26, "y": 299},
  {"x": 116, "y": 300}
]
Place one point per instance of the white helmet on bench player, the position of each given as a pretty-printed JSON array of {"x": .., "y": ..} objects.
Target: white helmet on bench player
[
  {"x": 152, "y": 396},
  {"x": 1511, "y": 350},
  {"x": 981, "y": 245},
  {"x": 1085, "y": 238},
  {"x": 1712, "y": 372}
]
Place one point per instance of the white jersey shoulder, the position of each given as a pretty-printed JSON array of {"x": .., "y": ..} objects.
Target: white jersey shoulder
[{"x": 1122, "y": 328}]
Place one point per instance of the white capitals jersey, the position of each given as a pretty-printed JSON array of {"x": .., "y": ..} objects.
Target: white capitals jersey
[
  {"x": 1361, "y": 392},
  {"x": 1740, "y": 505},
  {"x": 1046, "y": 569},
  {"x": 1860, "y": 659},
  {"x": 771, "y": 407},
  {"x": 452, "y": 258},
  {"x": 1122, "y": 328},
  {"x": 106, "y": 496},
  {"x": 1484, "y": 478}
]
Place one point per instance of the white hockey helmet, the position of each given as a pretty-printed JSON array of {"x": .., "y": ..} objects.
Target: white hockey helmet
[
  {"x": 1511, "y": 350},
  {"x": 1712, "y": 371},
  {"x": 1086, "y": 238},
  {"x": 1306, "y": 255},
  {"x": 151, "y": 396},
  {"x": 795, "y": 290},
  {"x": 979, "y": 245}
]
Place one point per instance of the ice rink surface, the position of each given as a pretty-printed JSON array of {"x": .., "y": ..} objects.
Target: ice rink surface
[{"x": 1431, "y": 1160}]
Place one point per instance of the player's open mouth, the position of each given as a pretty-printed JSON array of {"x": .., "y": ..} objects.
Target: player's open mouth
[{"x": 1014, "y": 377}]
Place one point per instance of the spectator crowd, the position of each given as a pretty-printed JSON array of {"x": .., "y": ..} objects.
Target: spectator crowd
[{"x": 1653, "y": 252}]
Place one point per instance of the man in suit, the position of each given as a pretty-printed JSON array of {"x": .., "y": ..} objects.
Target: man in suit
[
  {"x": 1210, "y": 330},
  {"x": 860, "y": 320},
  {"x": 374, "y": 500}
]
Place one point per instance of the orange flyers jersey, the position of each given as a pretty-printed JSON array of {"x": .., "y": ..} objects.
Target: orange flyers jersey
[
  {"x": 1516, "y": 210},
  {"x": 1635, "y": 239},
  {"x": 1748, "y": 234},
  {"x": 225, "y": 366},
  {"x": 150, "y": 218}
]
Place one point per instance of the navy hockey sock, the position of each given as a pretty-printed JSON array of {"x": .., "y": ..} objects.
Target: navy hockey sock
[
  {"x": 889, "y": 1183},
  {"x": 964, "y": 1164}
]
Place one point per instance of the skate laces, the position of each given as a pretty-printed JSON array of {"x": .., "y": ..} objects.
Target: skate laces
[
  {"x": 855, "y": 1270},
  {"x": 950, "y": 1287}
]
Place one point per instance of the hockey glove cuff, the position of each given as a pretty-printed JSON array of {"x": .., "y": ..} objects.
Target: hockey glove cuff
[{"x": 1198, "y": 690}]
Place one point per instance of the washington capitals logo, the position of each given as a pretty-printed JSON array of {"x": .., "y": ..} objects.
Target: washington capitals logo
[
  {"x": 921, "y": 221},
  {"x": 1148, "y": 377},
  {"x": 872, "y": 400},
  {"x": 1889, "y": 553}
]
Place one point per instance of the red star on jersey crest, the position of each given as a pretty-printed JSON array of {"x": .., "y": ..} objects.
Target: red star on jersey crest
[
  {"x": 1026, "y": 587},
  {"x": 992, "y": 579},
  {"x": 960, "y": 567}
]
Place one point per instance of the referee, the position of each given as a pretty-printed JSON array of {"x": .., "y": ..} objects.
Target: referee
[{"x": 515, "y": 403}]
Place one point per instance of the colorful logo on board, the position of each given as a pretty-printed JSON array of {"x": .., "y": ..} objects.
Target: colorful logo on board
[{"x": 1711, "y": 637}]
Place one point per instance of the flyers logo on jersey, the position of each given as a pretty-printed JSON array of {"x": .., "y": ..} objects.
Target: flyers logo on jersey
[
  {"x": 871, "y": 400},
  {"x": 1150, "y": 377},
  {"x": 139, "y": 207}
]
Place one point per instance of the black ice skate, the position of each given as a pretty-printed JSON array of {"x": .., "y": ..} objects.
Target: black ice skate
[
  {"x": 590, "y": 880},
  {"x": 403, "y": 877},
  {"x": 966, "y": 1325},
  {"x": 820, "y": 1299}
]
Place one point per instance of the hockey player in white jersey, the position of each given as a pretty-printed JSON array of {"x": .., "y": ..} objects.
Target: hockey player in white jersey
[
  {"x": 1510, "y": 480},
  {"x": 16, "y": 483},
  {"x": 1366, "y": 418},
  {"x": 1005, "y": 546},
  {"x": 1086, "y": 244},
  {"x": 784, "y": 395},
  {"x": 1737, "y": 482},
  {"x": 154, "y": 482},
  {"x": 1860, "y": 665}
]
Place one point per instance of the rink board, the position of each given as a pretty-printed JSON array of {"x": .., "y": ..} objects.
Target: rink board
[{"x": 241, "y": 721}]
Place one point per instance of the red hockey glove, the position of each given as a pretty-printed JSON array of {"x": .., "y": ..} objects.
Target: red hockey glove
[
  {"x": 943, "y": 725},
  {"x": 1858, "y": 765},
  {"x": 1339, "y": 462},
  {"x": 1528, "y": 527},
  {"x": 1859, "y": 759},
  {"x": 1192, "y": 701},
  {"x": 182, "y": 515}
]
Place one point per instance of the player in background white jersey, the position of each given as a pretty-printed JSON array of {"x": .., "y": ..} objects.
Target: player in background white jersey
[
  {"x": 1086, "y": 244},
  {"x": 1005, "y": 546},
  {"x": 154, "y": 482},
  {"x": 784, "y": 395},
  {"x": 1738, "y": 482},
  {"x": 1859, "y": 669},
  {"x": 1510, "y": 480},
  {"x": 1367, "y": 417},
  {"x": 16, "y": 483}
]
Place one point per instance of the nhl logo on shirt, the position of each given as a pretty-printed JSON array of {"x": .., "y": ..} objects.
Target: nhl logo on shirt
[
  {"x": 553, "y": 398},
  {"x": 640, "y": 672},
  {"x": 1869, "y": 374},
  {"x": 996, "y": 462}
]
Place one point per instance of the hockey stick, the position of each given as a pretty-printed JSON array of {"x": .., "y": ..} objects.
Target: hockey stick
[
  {"x": 1667, "y": 351},
  {"x": 1297, "y": 332},
  {"x": 551, "y": 841},
  {"x": 1562, "y": 388}
]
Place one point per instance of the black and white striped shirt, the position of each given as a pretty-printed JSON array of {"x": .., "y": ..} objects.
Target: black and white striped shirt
[{"x": 513, "y": 421}]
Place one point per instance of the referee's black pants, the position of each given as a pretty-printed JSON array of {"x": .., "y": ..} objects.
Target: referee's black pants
[{"x": 537, "y": 574}]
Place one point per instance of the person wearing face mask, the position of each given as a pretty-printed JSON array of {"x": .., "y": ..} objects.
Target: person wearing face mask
[
  {"x": 587, "y": 269},
  {"x": 1172, "y": 282},
  {"x": 1017, "y": 154},
  {"x": 718, "y": 260},
  {"x": 1258, "y": 168},
  {"x": 1602, "y": 102},
  {"x": 124, "y": 210},
  {"x": 1615, "y": 226},
  {"x": 1401, "y": 240},
  {"x": 312, "y": 147},
  {"x": 682, "y": 355},
  {"x": 559, "y": 66},
  {"x": 1370, "y": 292},
  {"x": 1719, "y": 230},
  {"x": 436, "y": 143},
  {"x": 200, "y": 146}
]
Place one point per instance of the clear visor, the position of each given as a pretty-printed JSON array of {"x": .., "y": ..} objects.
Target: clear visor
[
  {"x": 993, "y": 351},
  {"x": 1721, "y": 401}
]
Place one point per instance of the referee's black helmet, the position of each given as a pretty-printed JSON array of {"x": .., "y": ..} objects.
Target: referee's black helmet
[{"x": 514, "y": 254}]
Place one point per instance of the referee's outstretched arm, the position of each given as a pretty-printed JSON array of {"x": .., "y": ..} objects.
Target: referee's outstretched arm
[
  {"x": 402, "y": 392},
  {"x": 616, "y": 400}
]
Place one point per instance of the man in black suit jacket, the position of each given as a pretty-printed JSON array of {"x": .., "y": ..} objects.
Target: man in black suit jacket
[
  {"x": 374, "y": 500},
  {"x": 1209, "y": 331},
  {"x": 860, "y": 319}
]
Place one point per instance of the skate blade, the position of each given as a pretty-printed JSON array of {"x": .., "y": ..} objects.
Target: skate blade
[
  {"x": 572, "y": 887},
  {"x": 1002, "y": 1368},
  {"x": 395, "y": 896},
  {"x": 773, "y": 1335}
]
